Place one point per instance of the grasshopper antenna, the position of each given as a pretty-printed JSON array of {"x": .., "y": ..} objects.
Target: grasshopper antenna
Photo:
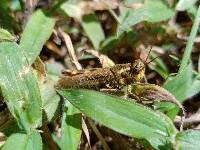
[
  {"x": 148, "y": 55},
  {"x": 145, "y": 62},
  {"x": 152, "y": 60}
]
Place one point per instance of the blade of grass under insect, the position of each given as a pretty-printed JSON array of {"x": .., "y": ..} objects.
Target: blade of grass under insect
[
  {"x": 188, "y": 49},
  {"x": 19, "y": 86},
  {"x": 36, "y": 32},
  {"x": 123, "y": 116}
]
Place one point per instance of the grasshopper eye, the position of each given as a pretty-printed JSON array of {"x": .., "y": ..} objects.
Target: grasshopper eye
[{"x": 137, "y": 66}]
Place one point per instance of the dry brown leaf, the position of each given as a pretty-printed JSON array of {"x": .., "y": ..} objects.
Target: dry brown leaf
[{"x": 104, "y": 60}]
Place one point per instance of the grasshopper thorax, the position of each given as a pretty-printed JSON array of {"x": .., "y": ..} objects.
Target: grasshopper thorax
[{"x": 137, "y": 70}]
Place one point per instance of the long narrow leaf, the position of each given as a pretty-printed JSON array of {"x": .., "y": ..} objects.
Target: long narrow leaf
[
  {"x": 20, "y": 141},
  {"x": 180, "y": 85},
  {"x": 188, "y": 140},
  {"x": 71, "y": 127},
  {"x": 19, "y": 86},
  {"x": 93, "y": 29},
  {"x": 151, "y": 11},
  {"x": 123, "y": 116},
  {"x": 37, "y": 31},
  {"x": 188, "y": 49}
]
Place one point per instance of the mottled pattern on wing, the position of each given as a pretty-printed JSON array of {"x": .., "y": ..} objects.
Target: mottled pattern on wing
[
  {"x": 115, "y": 77},
  {"x": 96, "y": 78}
]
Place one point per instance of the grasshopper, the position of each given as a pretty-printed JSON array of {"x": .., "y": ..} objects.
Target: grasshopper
[
  {"x": 128, "y": 75},
  {"x": 115, "y": 77}
]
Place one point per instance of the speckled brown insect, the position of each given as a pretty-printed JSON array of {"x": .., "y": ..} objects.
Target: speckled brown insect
[{"x": 115, "y": 77}]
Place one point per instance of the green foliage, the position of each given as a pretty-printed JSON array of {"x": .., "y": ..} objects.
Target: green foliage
[
  {"x": 176, "y": 85},
  {"x": 188, "y": 140},
  {"x": 160, "y": 67},
  {"x": 90, "y": 23},
  {"x": 71, "y": 9},
  {"x": 109, "y": 44},
  {"x": 125, "y": 117},
  {"x": 179, "y": 88},
  {"x": 50, "y": 100},
  {"x": 194, "y": 89},
  {"x": 6, "y": 36},
  {"x": 180, "y": 85},
  {"x": 19, "y": 86},
  {"x": 188, "y": 49},
  {"x": 33, "y": 101},
  {"x": 183, "y": 5},
  {"x": 21, "y": 141},
  {"x": 10, "y": 127},
  {"x": 6, "y": 20},
  {"x": 93, "y": 29},
  {"x": 71, "y": 127},
  {"x": 148, "y": 12},
  {"x": 37, "y": 31}
]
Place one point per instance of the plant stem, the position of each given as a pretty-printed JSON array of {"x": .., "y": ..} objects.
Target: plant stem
[
  {"x": 47, "y": 137},
  {"x": 188, "y": 49},
  {"x": 98, "y": 134}
]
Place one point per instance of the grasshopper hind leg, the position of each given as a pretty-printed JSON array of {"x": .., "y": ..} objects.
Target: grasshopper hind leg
[{"x": 131, "y": 95}]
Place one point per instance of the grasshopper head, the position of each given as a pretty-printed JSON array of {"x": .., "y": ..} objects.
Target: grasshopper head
[{"x": 137, "y": 70}]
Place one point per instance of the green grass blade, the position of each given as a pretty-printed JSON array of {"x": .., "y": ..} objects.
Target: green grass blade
[
  {"x": 20, "y": 141},
  {"x": 71, "y": 127},
  {"x": 37, "y": 31},
  {"x": 188, "y": 49},
  {"x": 148, "y": 12},
  {"x": 90, "y": 23},
  {"x": 19, "y": 86},
  {"x": 183, "y": 5},
  {"x": 180, "y": 84},
  {"x": 93, "y": 29},
  {"x": 6, "y": 36},
  {"x": 188, "y": 140},
  {"x": 194, "y": 89},
  {"x": 123, "y": 116},
  {"x": 50, "y": 100}
]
